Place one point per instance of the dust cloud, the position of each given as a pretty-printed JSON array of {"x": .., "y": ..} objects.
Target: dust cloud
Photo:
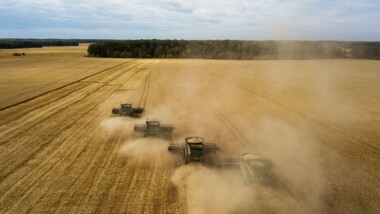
[
  {"x": 116, "y": 124},
  {"x": 296, "y": 158},
  {"x": 135, "y": 146},
  {"x": 187, "y": 107},
  {"x": 149, "y": 150},
  {"x": 297, "y": 177},
  {"x": 290, "y": 145},
  {"x": 209, "y": 190},
  {"x": 199, "y": 107}
]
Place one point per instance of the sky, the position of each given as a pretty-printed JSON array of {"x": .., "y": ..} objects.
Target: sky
[{"x": 347, "y": 20}]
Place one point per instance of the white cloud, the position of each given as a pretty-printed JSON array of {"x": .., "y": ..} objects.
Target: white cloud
[{"x": 197, "y": 19}]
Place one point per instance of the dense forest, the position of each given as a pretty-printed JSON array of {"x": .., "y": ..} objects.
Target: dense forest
[
  {"x": 235, "y": 49},
  {"x": 39, "y": 43}
]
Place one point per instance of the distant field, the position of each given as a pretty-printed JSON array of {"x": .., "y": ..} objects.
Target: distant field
[
  {"x": 44, "y": 69},
  {"x": 62, "y": 151}
]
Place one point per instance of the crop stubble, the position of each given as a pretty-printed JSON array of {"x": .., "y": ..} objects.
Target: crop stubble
[{"x": 57, "y": 157}]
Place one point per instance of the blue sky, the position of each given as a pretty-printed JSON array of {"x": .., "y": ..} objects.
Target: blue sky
[{"x": 192, "y": 19}]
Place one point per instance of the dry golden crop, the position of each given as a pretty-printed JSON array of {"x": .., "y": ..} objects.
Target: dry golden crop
[{"x": 61, "y": 150}]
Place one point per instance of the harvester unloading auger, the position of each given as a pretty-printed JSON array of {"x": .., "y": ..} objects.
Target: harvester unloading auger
[
  {"x": 126, "y": 109},
  {"x": 153, "y": 127},
  {"x": 194, "y": 149}
]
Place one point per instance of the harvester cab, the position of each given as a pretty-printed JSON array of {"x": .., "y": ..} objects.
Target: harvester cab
[
  {"x": 153, "y": 127},
  {"x": 194, "y": 150},
  {"x": 127, "y": 109}
]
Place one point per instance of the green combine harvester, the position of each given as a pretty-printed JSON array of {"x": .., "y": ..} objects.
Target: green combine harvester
[
  {"x": 126, "y": 109},
  {"x": 153, "y": 127},
  {"x": 251, "y": 166},
  {"x": 194, "y": 149}
]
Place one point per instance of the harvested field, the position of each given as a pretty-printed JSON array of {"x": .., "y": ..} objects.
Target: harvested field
[{"x": 62, "y": 151}]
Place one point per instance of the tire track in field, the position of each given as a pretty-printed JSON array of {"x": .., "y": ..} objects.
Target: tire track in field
[
  {"x": 74, "y": 205},
  {"x": 129, "y": 184},
  {"x": 61, "y": 164},
  {"x": 111, "y": 74},
  {"x": 92, "y": 180},
  {"x": 46, "y": 200},
  {"x": 135, "y": 189},
  {"x": 134, "y": 185},
  {"x": 27, "y": 123},
  {"x": 140, "y": 91},
  {"x": 58, "y": 88},
  {"x": 228, "y": 124},
  {"x": 129, "y": 77},
  {"x": 144, "y": 187},
  {"x": 123, "y": 79},
  {"x": 27, "y": 131},
  {"x": 220, "y": 116},
  {"x": 163, "y": 196},
  {"x": 47, "y": 112},
  {"x": 136, "y": 72},
  {"x": 119, "y": 188},
  {"x": 88, "y": 179},
  {"x": 30, "y": 143},
  {"x": 168, "y": 199},
  {"x": 49, "y": 166},
  {"x": 20, "y": 94},
  {"x": 76, "y": 166},
  {"x": 27, "y": 138},
  {"x": 57, "y": 82},
  {"x": 13, "y": 114},
  {"x": 145, "y": 92}
]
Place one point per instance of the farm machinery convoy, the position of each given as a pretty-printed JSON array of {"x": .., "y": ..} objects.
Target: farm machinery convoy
[{"x": 252, "y": 167}]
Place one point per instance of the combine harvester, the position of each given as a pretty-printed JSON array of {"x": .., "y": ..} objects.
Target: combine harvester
[
  {"x": 153, "y": 127},
  {"x": 125, "y": 109},
  {"x": 194, "y": 149},
  {"x": 252, "y": 167}
]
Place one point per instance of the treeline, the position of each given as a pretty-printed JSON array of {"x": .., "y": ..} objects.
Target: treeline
[
  {"x": 39, "y": 43},
  {"x": 235, "y": 49}
]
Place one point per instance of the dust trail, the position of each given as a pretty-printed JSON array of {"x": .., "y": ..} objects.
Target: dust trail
[
  {"x": 290, "y": 145},
  {"x": 147, "y": 150},
  {"x": 117, "y": 124},
  {"x": 211, "y": 191},
  {"x": 296, "y": 158},
  {"x": 186, "y": 108},
  {"x": 135, "y": 146},
  {"x": 293, "y": 150}
]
